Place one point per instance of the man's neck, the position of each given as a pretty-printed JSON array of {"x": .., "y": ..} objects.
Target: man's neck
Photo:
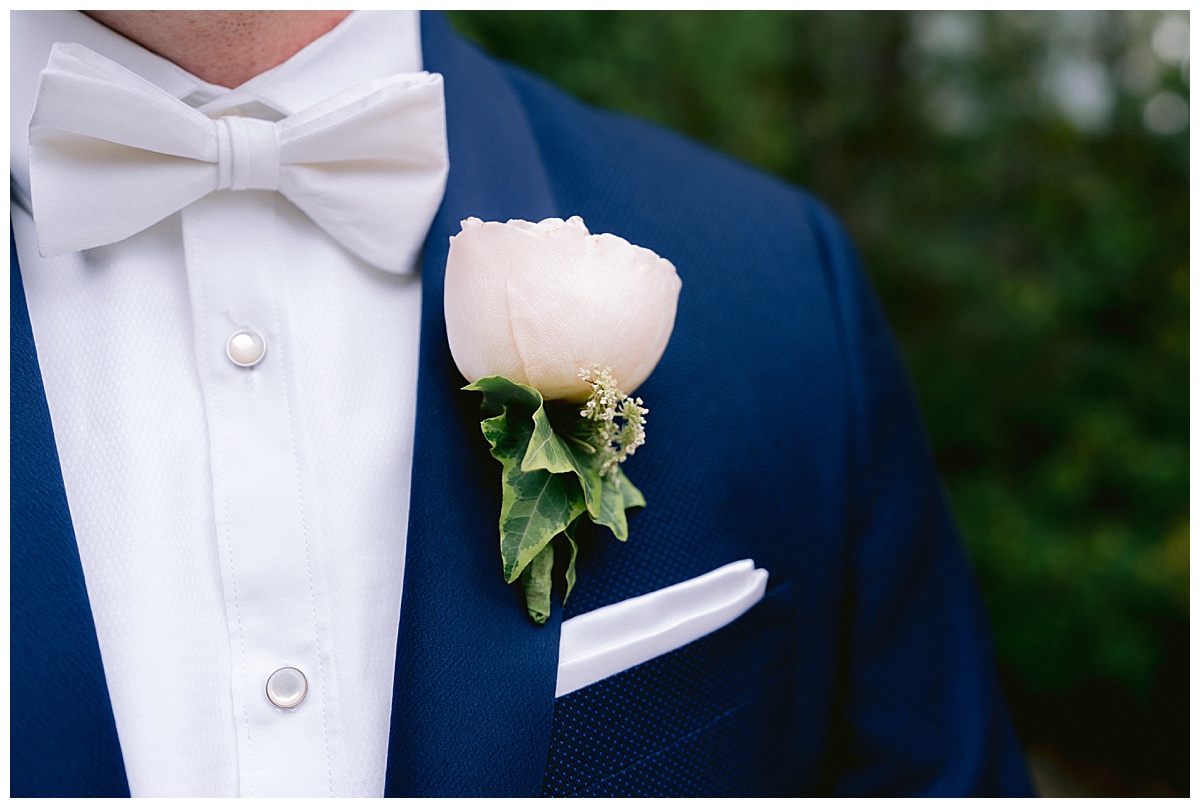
[{"x": 226, "y": 48}]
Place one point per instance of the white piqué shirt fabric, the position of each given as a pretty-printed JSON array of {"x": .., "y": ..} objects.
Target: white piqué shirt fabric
[{"x": 232, "y": 521}]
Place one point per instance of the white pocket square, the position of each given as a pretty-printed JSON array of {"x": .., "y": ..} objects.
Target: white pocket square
[{"x": 617, "y": 637}]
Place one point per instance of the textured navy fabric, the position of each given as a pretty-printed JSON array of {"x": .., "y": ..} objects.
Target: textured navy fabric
[
  {"x": 661, "y": 730},
  {"x": 781, "y": 429},
  {"x": 63, "y": 740}
]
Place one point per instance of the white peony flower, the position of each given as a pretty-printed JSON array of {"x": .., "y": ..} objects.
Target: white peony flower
[{"x": 538, "y": 303}]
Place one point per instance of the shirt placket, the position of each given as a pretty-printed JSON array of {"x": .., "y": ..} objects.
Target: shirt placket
[{"x": 275, "y": 597}]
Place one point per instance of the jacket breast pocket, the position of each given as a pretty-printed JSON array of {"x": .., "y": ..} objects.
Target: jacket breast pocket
[{"x": 707, "y": 719}]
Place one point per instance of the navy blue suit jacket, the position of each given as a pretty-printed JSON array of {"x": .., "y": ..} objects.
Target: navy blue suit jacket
[{"x": 782, "y": 430}]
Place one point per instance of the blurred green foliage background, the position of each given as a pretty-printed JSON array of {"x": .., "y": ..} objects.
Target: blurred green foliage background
[{"x": 1017, "y": 183}]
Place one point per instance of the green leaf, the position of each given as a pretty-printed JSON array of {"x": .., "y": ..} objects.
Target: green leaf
[
  {"x": 499, "y": 393},
  {"x": 618, "y": 495},
  {"x": 535, "y": 505},
  {"x": 548, "y": 482},
  {"x": 574, "y": 552},
  {"x": 546, "y": 449},
  {"x": 536, "y": 579},
  {"x": 612, "y": 510},
  {"x": 583, "y": 461},
  {"x": 632, "y": 496},
  {"x": 550, "y": 452}
]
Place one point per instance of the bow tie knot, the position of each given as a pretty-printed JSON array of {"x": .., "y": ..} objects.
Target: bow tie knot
[
  {"x": 247, "y": 154},
  {"x": 111, "y": 154}
]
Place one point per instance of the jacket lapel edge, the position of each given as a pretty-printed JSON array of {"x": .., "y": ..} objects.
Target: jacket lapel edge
[
  {"x": 63, "y": 734},
  {"x": 473, "y": 696}
]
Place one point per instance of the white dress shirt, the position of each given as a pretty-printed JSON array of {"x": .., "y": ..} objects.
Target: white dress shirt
[{"x": 233, "y": 521}]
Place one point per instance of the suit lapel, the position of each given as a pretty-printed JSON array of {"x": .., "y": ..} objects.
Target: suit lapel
[
  {"x": 473, "y": 697},
  {"x": 64, "y": 739}
]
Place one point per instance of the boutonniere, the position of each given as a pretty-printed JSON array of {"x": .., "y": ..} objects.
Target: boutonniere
[{"x": 556, "y": 328}]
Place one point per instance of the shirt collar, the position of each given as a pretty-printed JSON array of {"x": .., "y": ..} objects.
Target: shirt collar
[{"x": 366, "y": 45}]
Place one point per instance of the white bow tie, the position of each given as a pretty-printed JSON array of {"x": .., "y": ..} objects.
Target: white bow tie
[{"x": 112, "y": 154}]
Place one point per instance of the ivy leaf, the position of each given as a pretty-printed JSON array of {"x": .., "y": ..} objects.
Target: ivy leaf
[
  {"x": 550, "y": 452},
  {"x": 536, "y": 505},
  {"x": 618, "y": 495},
  {"x": 583, "y": 460},
  {"x": 629, "y": 492},
  {"x": 574, "y": 552},
  {"x": 500, "y": 393},
  {"x": 612, "y": 510},
  {"x": 537, "y": 582},
  {"x": 548, "y": 483},
  {"x": 546, "y": 449}
]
